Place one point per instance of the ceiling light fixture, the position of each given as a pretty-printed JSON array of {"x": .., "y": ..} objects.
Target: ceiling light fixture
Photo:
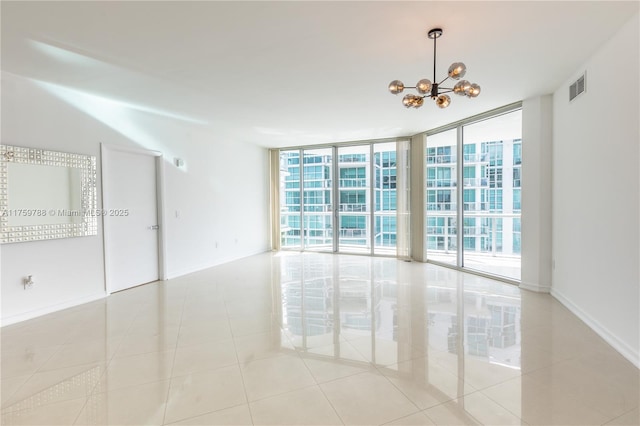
[{"x": 425, "y": 87}]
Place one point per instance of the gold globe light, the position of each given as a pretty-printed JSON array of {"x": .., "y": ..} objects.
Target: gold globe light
[
  {"x": 407, "y": 101},
  {"x": 434, "y": 90},
  {"x": 396, "y": 86},
  {"x": 424, "y": 86},
  {"x": 462, "y": 88},
  {"x": 474, "y": 91},
  {"x": 443, "y": 101},
  {"x": 457, "y": 70}
]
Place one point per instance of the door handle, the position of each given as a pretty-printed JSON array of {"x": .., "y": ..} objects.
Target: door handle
[{"x": 154, "y": 227}]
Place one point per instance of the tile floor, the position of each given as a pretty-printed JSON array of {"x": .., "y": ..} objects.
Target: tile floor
[{"x": 292, "y": 339}]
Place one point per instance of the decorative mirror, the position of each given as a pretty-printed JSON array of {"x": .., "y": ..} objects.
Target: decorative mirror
[{"x": 46, "y": 195}]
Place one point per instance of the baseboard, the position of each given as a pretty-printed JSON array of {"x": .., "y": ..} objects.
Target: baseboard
[
  {"x": 201, "y": 267},
  {"x": 535, "y": 287},
  {"x": 625, "y": 350},
  {"x": 13, "y": 319}
]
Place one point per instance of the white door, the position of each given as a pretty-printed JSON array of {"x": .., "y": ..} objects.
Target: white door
[{"x": 131, "y": 218}]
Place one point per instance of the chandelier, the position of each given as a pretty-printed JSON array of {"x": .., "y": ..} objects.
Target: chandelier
[{"x": 425, "y": 87}]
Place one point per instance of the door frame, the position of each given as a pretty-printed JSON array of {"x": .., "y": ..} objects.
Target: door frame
[{"x": 105, "y": 149}]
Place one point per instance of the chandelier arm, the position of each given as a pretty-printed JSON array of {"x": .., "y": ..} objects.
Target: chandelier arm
[
  {"x": 446, "y": 91},
  {"x": 445, "y": 79}
]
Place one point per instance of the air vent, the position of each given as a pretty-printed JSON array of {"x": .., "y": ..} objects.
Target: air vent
[{"x": 578, "y": 87}]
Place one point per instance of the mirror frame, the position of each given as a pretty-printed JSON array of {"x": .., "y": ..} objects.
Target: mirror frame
[{"x": 89, "y": 204}]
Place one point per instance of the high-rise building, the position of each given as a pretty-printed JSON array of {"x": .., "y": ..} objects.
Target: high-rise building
[
  {"x": 354, "y": 199},
  {"x": 491, "y": 198}
]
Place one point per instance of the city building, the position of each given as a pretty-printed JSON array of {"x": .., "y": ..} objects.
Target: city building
[
  {"x": 491, "y": 201},
  {"x": 354, "y": 195}
]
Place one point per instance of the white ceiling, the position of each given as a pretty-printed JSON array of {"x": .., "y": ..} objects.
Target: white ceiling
[{"x": 295, "y": 73}]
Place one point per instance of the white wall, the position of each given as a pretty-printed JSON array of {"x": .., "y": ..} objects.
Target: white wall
[
  {"x": 596, "y": 216},
  {"x": 536, "y": 193},
  {"x": 221, "y": 193}
]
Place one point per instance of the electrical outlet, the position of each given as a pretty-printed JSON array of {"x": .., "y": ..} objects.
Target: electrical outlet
[{"x": 28, "y": 282}]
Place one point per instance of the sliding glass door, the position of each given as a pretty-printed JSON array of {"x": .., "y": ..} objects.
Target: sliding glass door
[
  {"x": 355, "y": 190},
  {"x": 442, "y": 191},
  {"x": 306, "y": 199},
  {"x": 317, "y": 201},
  {"x": 354, "y": 198},
  {"x": 493, "y": 160},
  {"x": 354, "y": 172},
  {"x": 479, "y": 227},
  {"x": 385, "y": 228},
  {"x": 290, "y": 200}
]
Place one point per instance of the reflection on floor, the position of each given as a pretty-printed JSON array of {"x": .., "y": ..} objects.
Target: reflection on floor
[{"x": 294, "y": 338}]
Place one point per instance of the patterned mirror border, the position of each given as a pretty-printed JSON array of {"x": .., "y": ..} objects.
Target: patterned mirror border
[{"x": 87, "y": 166}]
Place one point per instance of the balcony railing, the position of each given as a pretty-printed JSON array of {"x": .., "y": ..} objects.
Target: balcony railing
[
  {"x": 443, "y": 183},
  {"x": 451, "y": 158},
  {"x": 354, "y": 233},
  {"x": 491, "y": 244},
  {"x": 353, "y": 207},
  {"x": 441, "y": 230},
  {"x": 475, "y": 182},
  {"x": 475, "y": 158},
  {"x": 474, "y": 206},
  {"x": 317, "y": 208},
  {"x": 353, "y": 183},
  {"x": 441, "y": 206},
  {"x": 356, "y": 158},
  {"x": 441, "y": 159}
]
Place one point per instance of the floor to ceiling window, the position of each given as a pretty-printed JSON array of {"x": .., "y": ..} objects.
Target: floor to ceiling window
[
  {"x": 352, "y": 189},
  {"x": 385, "y": 198},
  {"x": 354, "y": 185},
  {"x": 354, "y": 198},
  {"x": 317, "y": 199},
  {"x": 441, "y": 187},
  {"x": 486, "y": 229},
  {"x": 290, "y": 200}
]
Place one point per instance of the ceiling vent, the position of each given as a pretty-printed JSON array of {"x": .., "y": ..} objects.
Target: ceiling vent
[{"x": 578, "y": 87}]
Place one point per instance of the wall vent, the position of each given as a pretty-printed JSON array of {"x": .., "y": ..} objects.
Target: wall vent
[{"x": 580, "y": 86}]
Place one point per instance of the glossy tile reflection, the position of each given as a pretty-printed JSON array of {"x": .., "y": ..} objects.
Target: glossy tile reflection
[
  {"x": 392, "y": 312},
  {"x": 292, "y": 338}
]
